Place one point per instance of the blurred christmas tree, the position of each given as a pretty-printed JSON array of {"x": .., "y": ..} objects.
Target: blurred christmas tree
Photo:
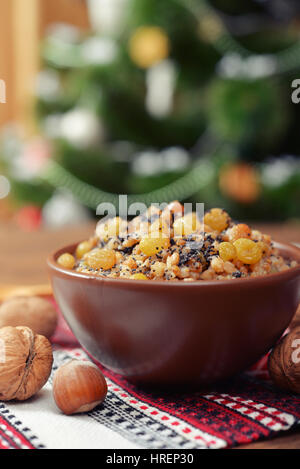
[{"x": 167, "y": 99}]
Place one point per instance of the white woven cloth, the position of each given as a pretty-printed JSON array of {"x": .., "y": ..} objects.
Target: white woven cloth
[{"x": 39, "y": 421}]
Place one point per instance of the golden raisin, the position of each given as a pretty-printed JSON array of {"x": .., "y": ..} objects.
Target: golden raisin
[
  {"x": 227, "y": 251},
  {"x": 154, "y": 243},
  {"x": 100, "y": 259},
  {"x": 248, "y": 251},
  {"x": 217, "y": 219},
  {"x": 66, "y": 260},
  {"x": 138, "y": 277},
  {"x": 83, "y": 248}
]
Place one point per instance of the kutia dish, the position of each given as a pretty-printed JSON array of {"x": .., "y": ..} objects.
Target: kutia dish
[
  {"x": 170, "y": 245},
  {"x": 167, "y": 331}
]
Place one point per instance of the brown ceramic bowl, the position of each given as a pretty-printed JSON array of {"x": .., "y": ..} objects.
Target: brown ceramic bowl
[{"x": 164, "y": 333}]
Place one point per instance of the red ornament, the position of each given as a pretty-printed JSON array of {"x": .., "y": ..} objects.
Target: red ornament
[{"x": 29, "y": 218}]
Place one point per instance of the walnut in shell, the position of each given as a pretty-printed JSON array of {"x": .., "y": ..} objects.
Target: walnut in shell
[
  {"x": 284, "y": 362},
  {"x": 36, "y": 313},
  {"x": 25, "y": 363}
]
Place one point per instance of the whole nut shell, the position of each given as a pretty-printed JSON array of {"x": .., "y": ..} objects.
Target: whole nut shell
[
  {"x": 78, "y": 386},
  {"x": 36, "y": 313},
  {"x": 284, "y": 362},
  {"x": 25, "y": 363}
]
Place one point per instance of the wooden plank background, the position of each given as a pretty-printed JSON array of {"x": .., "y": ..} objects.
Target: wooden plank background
[{"x": 22, "y": 24}]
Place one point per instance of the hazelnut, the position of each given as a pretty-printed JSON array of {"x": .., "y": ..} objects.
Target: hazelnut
[
  {"x": 25, "y": 363},
  {"x": 78, "y": 386},
  {"x": 284, "y": 362},
  {"x": 36, "y": 313}
]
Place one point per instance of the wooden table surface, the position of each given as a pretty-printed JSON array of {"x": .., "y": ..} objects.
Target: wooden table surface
[{"x": 23, "y": 262}]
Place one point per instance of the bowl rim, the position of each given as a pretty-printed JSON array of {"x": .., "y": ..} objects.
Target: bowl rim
[{"x": 284, "y": 275}]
